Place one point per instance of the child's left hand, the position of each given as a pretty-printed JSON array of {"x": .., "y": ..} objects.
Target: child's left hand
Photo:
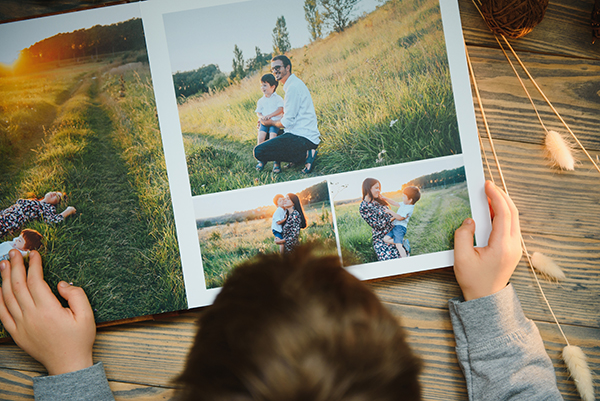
[{"x": 60, "y": 338}]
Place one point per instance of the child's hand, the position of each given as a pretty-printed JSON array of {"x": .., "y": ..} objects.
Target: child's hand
[
  {"x": 69, "y": 211},
  {"x": 484, "y": 271},
  {"x": 59, "y": 338}
]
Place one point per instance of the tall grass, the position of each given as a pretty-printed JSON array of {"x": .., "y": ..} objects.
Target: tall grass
[
  {"x": 431, "y": 228},
  {"x": 120, "y": 246},
  {"x": 382, "y": 84},
  {"x": 138, "y": 135},
  {"x": 226, "y": 246},
  {"x": 28, "y": 106}
]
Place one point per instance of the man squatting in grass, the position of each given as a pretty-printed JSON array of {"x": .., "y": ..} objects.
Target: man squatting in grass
[
  {"x": 299, "y": 327},
  {"x": 298, "y": 144},
  {"x": 410, "y": 196}
]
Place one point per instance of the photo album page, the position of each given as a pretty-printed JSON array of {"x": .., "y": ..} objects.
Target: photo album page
[{"x": 149, "y": 148}]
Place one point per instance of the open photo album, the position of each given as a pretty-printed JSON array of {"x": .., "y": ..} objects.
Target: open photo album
[{"x": 149, "y": 148}]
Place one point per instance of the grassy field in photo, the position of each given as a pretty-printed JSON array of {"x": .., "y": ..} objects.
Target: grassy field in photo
[
  {"x": 381, "y": 90},
  {"x": 225, "y": 246},
  {"x": 91, "y": 132},
  {"x": 431, "y": 228}
]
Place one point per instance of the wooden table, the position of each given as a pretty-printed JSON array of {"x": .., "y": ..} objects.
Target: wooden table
[{"x": 560, "y": 216}]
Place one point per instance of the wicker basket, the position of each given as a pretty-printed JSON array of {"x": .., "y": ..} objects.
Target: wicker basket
[{"x": 513, "y": 18}]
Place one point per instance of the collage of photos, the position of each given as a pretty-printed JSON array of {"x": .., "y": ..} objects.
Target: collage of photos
[{"x": 147, "y": 151}]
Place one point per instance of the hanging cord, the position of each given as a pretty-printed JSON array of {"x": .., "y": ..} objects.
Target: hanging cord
[{"x": 506, "y": 190}]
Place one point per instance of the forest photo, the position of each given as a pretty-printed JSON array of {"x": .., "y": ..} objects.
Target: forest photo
[
  {"x": 82, "y": 153},
  {"x": 379, "y": 82}
]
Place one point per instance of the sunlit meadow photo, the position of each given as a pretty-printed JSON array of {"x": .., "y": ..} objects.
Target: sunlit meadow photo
[{"x": 380, "y": 86}]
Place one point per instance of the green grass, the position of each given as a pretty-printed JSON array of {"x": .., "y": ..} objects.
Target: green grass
[
  {"x": 106, "y": 154},
  {"x": 389, "y": 66},
  {"x": 431, "y": 228},
  {"x": 226, "y": 246}
]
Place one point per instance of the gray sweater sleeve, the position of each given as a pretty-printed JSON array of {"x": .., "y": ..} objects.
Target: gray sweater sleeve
[
  {"x": 88, "y": 384},
  {"x": 500, "y": 351}
]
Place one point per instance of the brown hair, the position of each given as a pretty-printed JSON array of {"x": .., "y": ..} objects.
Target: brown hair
[
  {"x": 276, "y": 199},
  {"x": 33, "y": 239},
  {"x": 298, "y": 327},
  {"x": 366, "y": 190},
  {"x": 412, "y": 193},
  {"x": 298, "y": 206}
]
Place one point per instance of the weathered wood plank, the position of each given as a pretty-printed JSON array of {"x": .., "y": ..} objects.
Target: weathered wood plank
[
  {"x": 429, "y": 333},
  {"x": 549, "y": 201},
  {"x": 575, "y": 300},
  {"x": 565, "y": 30},
  {"x": 572, "y": 85}
]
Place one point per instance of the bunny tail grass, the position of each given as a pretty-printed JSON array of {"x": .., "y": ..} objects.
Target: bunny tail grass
[
  {"x": 558, "y": 150},
  {"x": 580, "y": 371},
  {"x": 547, "y": 266}
]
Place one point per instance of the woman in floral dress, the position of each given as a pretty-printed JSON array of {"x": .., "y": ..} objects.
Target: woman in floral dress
[
  {"x": 293, "y": 224},
  {"x": 25, "y": 210},
  {"x": 374, "y": 210}
]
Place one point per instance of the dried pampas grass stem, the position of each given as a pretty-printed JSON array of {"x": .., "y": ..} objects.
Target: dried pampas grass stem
[
  {"x": 559, "y": 151},
  {"x": 547, "y": 266},
  {"x": 580, "y": 371},
  {"x": 572, "y": 355}
]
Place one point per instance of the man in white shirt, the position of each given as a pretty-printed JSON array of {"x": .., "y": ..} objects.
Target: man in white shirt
[{"x": 301, "y": 136}]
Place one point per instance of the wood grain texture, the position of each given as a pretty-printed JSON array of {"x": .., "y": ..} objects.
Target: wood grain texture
[
  {"x": 574, "y": 300},
  {"x": 571, "y": 85},
  {"x": 565, "y": 30},
  {"x": 549, "y": 201},
  {"x": 429, "y": 333}
]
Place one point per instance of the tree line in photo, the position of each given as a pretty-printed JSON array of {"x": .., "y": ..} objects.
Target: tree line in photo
[
  {"x": 97, "y": 41},
  {"x": 319, "y": 15}
]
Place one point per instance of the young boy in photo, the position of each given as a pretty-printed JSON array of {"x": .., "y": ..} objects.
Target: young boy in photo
[
  {"x": 279, "y": 218},
  {"x": 300, "y": 327},
  {"x": 268, "y": 107},
  {"x": 410, "y": 196},
  {"x": 29, "y": 240}
]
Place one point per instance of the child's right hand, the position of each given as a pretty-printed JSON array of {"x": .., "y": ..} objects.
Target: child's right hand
[
  {"x": 60, "y": 338},
  {"x": 484, "y": 271}
]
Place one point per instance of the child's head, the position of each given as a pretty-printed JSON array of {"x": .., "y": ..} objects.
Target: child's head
[
  {"x": 298, "y": 327},
  {"x": 268, "y": 84},
  {"x": 278, "y": 200},
  {"x": 29, "y": 240},
  {"x": 412, "y": 194}
]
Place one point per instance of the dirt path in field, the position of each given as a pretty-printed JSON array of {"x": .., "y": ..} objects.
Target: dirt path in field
[
  {"x": 110, "y": 249},
  {"x": 414, "y": 234}
]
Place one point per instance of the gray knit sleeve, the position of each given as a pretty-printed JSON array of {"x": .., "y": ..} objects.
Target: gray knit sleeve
[
  {"x": 88, "y": 384},
  {"x": 500, "y": 351}
]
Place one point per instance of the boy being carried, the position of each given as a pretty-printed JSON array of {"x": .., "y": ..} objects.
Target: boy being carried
[
  {"x": 410, "y": 196},
  {"x": 279, "y": 218},
  {"x": 29, "y": 240}
]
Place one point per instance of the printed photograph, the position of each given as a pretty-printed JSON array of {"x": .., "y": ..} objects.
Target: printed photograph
[
  {"x": 295, "y": 89},
  {"x": 83, "y": 175},
  {"x": 237, "y": 225},
  {"x": 400, "y": 211}
]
